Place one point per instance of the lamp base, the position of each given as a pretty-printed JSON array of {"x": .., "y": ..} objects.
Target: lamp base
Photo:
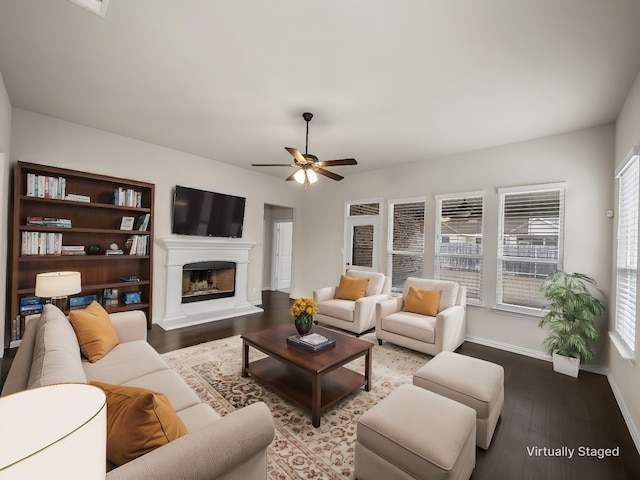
[{"x": 60, "y": 302}]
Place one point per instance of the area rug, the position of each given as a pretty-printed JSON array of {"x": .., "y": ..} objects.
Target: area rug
[{"x": 299, "y": 451}]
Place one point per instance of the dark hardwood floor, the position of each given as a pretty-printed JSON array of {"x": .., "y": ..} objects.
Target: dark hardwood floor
[{"x": 543, "y": 411}]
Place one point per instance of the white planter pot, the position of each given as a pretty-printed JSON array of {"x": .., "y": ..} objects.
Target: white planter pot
[{"x": 566, "y": 365}]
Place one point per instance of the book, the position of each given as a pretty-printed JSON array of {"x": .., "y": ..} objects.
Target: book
[{"x": 297, "y": 341}]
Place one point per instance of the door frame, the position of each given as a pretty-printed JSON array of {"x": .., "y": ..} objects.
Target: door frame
[{"x": 360, "y": 220}]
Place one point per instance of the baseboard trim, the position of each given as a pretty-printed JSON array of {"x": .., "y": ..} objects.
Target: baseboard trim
[
  {"x": 528, "y": 352},
  {"x": 626, "y": 414}
]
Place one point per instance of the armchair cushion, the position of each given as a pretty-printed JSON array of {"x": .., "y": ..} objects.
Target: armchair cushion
[
  {"x": 351, "y": 288},
  {"x": 412, "y": 325},
  {"x": 449, "y": 290},
  {"x": 94, "y": 330},
  {"x": 337, "y": 308},
  {"x": 425, "y": 302},
  {"x": 138, "y": 421},
  {"x": 376, "y": 281}
]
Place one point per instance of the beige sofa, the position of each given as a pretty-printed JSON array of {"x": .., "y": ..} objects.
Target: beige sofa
[{"x": 230, "y": 447}]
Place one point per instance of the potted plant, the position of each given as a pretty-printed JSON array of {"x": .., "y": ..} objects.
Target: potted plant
[
  {"x": 571, "y": 315},
  {"x": 303, "y": 310}
]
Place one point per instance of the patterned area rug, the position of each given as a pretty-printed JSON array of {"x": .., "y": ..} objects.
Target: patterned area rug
[{"x": 298, "y": 451}]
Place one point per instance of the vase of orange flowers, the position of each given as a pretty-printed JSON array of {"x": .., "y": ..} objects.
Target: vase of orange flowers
[{"x": 302, "y": 311}]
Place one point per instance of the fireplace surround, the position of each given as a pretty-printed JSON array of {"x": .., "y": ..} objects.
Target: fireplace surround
[{"x": 218, "y": 253}]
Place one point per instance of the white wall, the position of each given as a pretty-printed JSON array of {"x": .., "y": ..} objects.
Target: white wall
[
  {"x": 623, "y": 376},
  {"x": 584, "y": 159},
  {"x": 46, "y": 140},
  {"x": 5, "y": 150}
]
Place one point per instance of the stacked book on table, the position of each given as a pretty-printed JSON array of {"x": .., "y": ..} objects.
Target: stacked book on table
[{"x": 313, "y": 342}]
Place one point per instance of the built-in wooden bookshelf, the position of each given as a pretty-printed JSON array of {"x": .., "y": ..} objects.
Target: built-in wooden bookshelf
[{"x": 59, "y": 208}]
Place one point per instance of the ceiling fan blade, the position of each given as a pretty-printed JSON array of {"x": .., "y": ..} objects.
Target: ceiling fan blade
[
  {"x": 297, "y": 155},
  {"x": 291, "y": 177},
  {"x": 273, "y": 165},
  {"x": 327, "y": 173},
  {"x": 334, "y": 163}
]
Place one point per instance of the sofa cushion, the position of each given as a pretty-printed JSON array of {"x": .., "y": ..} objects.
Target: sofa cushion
[
  {"x": 138, "y": 421},
  {"x": 171, "y": 384},
  {"x": 376, "y": 281},
  {"x": 94, "y": 330},
  {"x": 424, "y": 302},
  {"x": 56, "y": 355},
  {"x": 351, "y": 288},
  {"x": 125, "y": 362},
  {"x": 449, "y": 290}
]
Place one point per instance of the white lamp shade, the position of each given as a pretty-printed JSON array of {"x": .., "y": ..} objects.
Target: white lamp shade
[
  {"x": 299, "y": 176},
  {"x": 57, "y": 284},
  {"x": 305, "y": 175},
  {"x": 58, "y": 431},
  {"x": 312, "y": 176}
]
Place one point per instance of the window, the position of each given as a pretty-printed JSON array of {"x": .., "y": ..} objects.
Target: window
[
  {"x": 362, "y": 225},
  {"x": 458, "y": 255},
  {"x": 529, "y": 244},
  {"x": 627, "y": 258},
  {"x": 405, "y": 245}
]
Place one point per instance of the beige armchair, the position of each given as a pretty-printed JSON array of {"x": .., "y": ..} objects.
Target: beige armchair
[
  {"x": 353, "y": 315},
  {"x": 431, "y": 334}
]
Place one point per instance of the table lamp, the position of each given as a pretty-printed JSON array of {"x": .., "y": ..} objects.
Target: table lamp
[
  {"x": 58, "y": 286},
  {"x": 57, "y": 431}
]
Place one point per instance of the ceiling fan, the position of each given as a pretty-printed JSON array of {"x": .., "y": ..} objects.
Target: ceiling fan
[{"x": 308, "y": 165}]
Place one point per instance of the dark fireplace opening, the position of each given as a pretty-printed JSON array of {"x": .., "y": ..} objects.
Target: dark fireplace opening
[{"x": 208, "y": 281}]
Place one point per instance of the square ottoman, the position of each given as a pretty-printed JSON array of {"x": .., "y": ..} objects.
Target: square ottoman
[
  {"x": 415, "y": 434},
  {"x": 476, "y": 383}
]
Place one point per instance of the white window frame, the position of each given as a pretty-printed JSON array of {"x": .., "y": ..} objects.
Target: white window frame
[
  {"x": 624, "y": 334},
  {"x": 502, "y": 192},
  {"x": 351, "y": 221},
  {"x": 390, "y": 252},
  {"x": 438, "y": 239}
]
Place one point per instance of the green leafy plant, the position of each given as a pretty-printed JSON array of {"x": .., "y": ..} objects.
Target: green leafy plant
[{"x": 571, "y": 315}]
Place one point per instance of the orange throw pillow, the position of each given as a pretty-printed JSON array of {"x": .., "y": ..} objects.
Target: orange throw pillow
[
  {"x": 138, "y": 421},
  {"x": 351, "y": 288},
  {"x": 425, "y": 302},
  {"x": 94, "y": 330}
]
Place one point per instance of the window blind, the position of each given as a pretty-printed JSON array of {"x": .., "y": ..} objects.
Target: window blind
[
  {"x": 458, "y": 256},
  {"x": 530, "y": 243},
  {"x": 627, "y": 258},
  {"x": 405, "y": 257}
]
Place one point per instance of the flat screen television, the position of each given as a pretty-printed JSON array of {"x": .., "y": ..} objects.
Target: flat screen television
[{"x": 207, "y": 214}]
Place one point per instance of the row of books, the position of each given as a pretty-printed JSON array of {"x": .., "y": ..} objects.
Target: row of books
[
  {"x": 49, "y": 222},
  {"x": 137, "y": 245},
  {"x": 44, "y": 186},
  {"x": 41, "y": 243},
  {"x": 127, "y": 197}
]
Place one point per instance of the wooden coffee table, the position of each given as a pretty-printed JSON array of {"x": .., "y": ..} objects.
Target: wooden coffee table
[{"x": 312, "y": 381}]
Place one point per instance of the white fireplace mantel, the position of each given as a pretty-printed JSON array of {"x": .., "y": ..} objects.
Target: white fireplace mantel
[{"x": 183, "y": 250}]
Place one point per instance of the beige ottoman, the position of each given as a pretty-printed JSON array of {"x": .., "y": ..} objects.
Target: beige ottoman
[
  {"x": 414, "y": 433},
  {"x": 476, "y": 383}
]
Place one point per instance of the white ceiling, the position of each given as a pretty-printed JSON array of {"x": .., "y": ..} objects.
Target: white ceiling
[{"x": 389, "y": 81}]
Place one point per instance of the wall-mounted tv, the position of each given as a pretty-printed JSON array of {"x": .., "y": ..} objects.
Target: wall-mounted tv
[{"x": 207, "y": 214}]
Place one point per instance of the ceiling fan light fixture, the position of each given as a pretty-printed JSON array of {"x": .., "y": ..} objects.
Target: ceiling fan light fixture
[
  {"x": 312, "y": 176},
  {"x": 299, "y": 176}
]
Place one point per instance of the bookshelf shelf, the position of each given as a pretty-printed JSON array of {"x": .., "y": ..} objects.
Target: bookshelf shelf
[{"x": 95, "y": 222}]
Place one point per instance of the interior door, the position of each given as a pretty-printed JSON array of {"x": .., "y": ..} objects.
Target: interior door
[{"x": 284, "y": 254}]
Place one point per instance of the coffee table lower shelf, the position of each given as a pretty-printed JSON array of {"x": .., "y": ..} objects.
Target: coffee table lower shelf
[{"x": 297, "y": 387}]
